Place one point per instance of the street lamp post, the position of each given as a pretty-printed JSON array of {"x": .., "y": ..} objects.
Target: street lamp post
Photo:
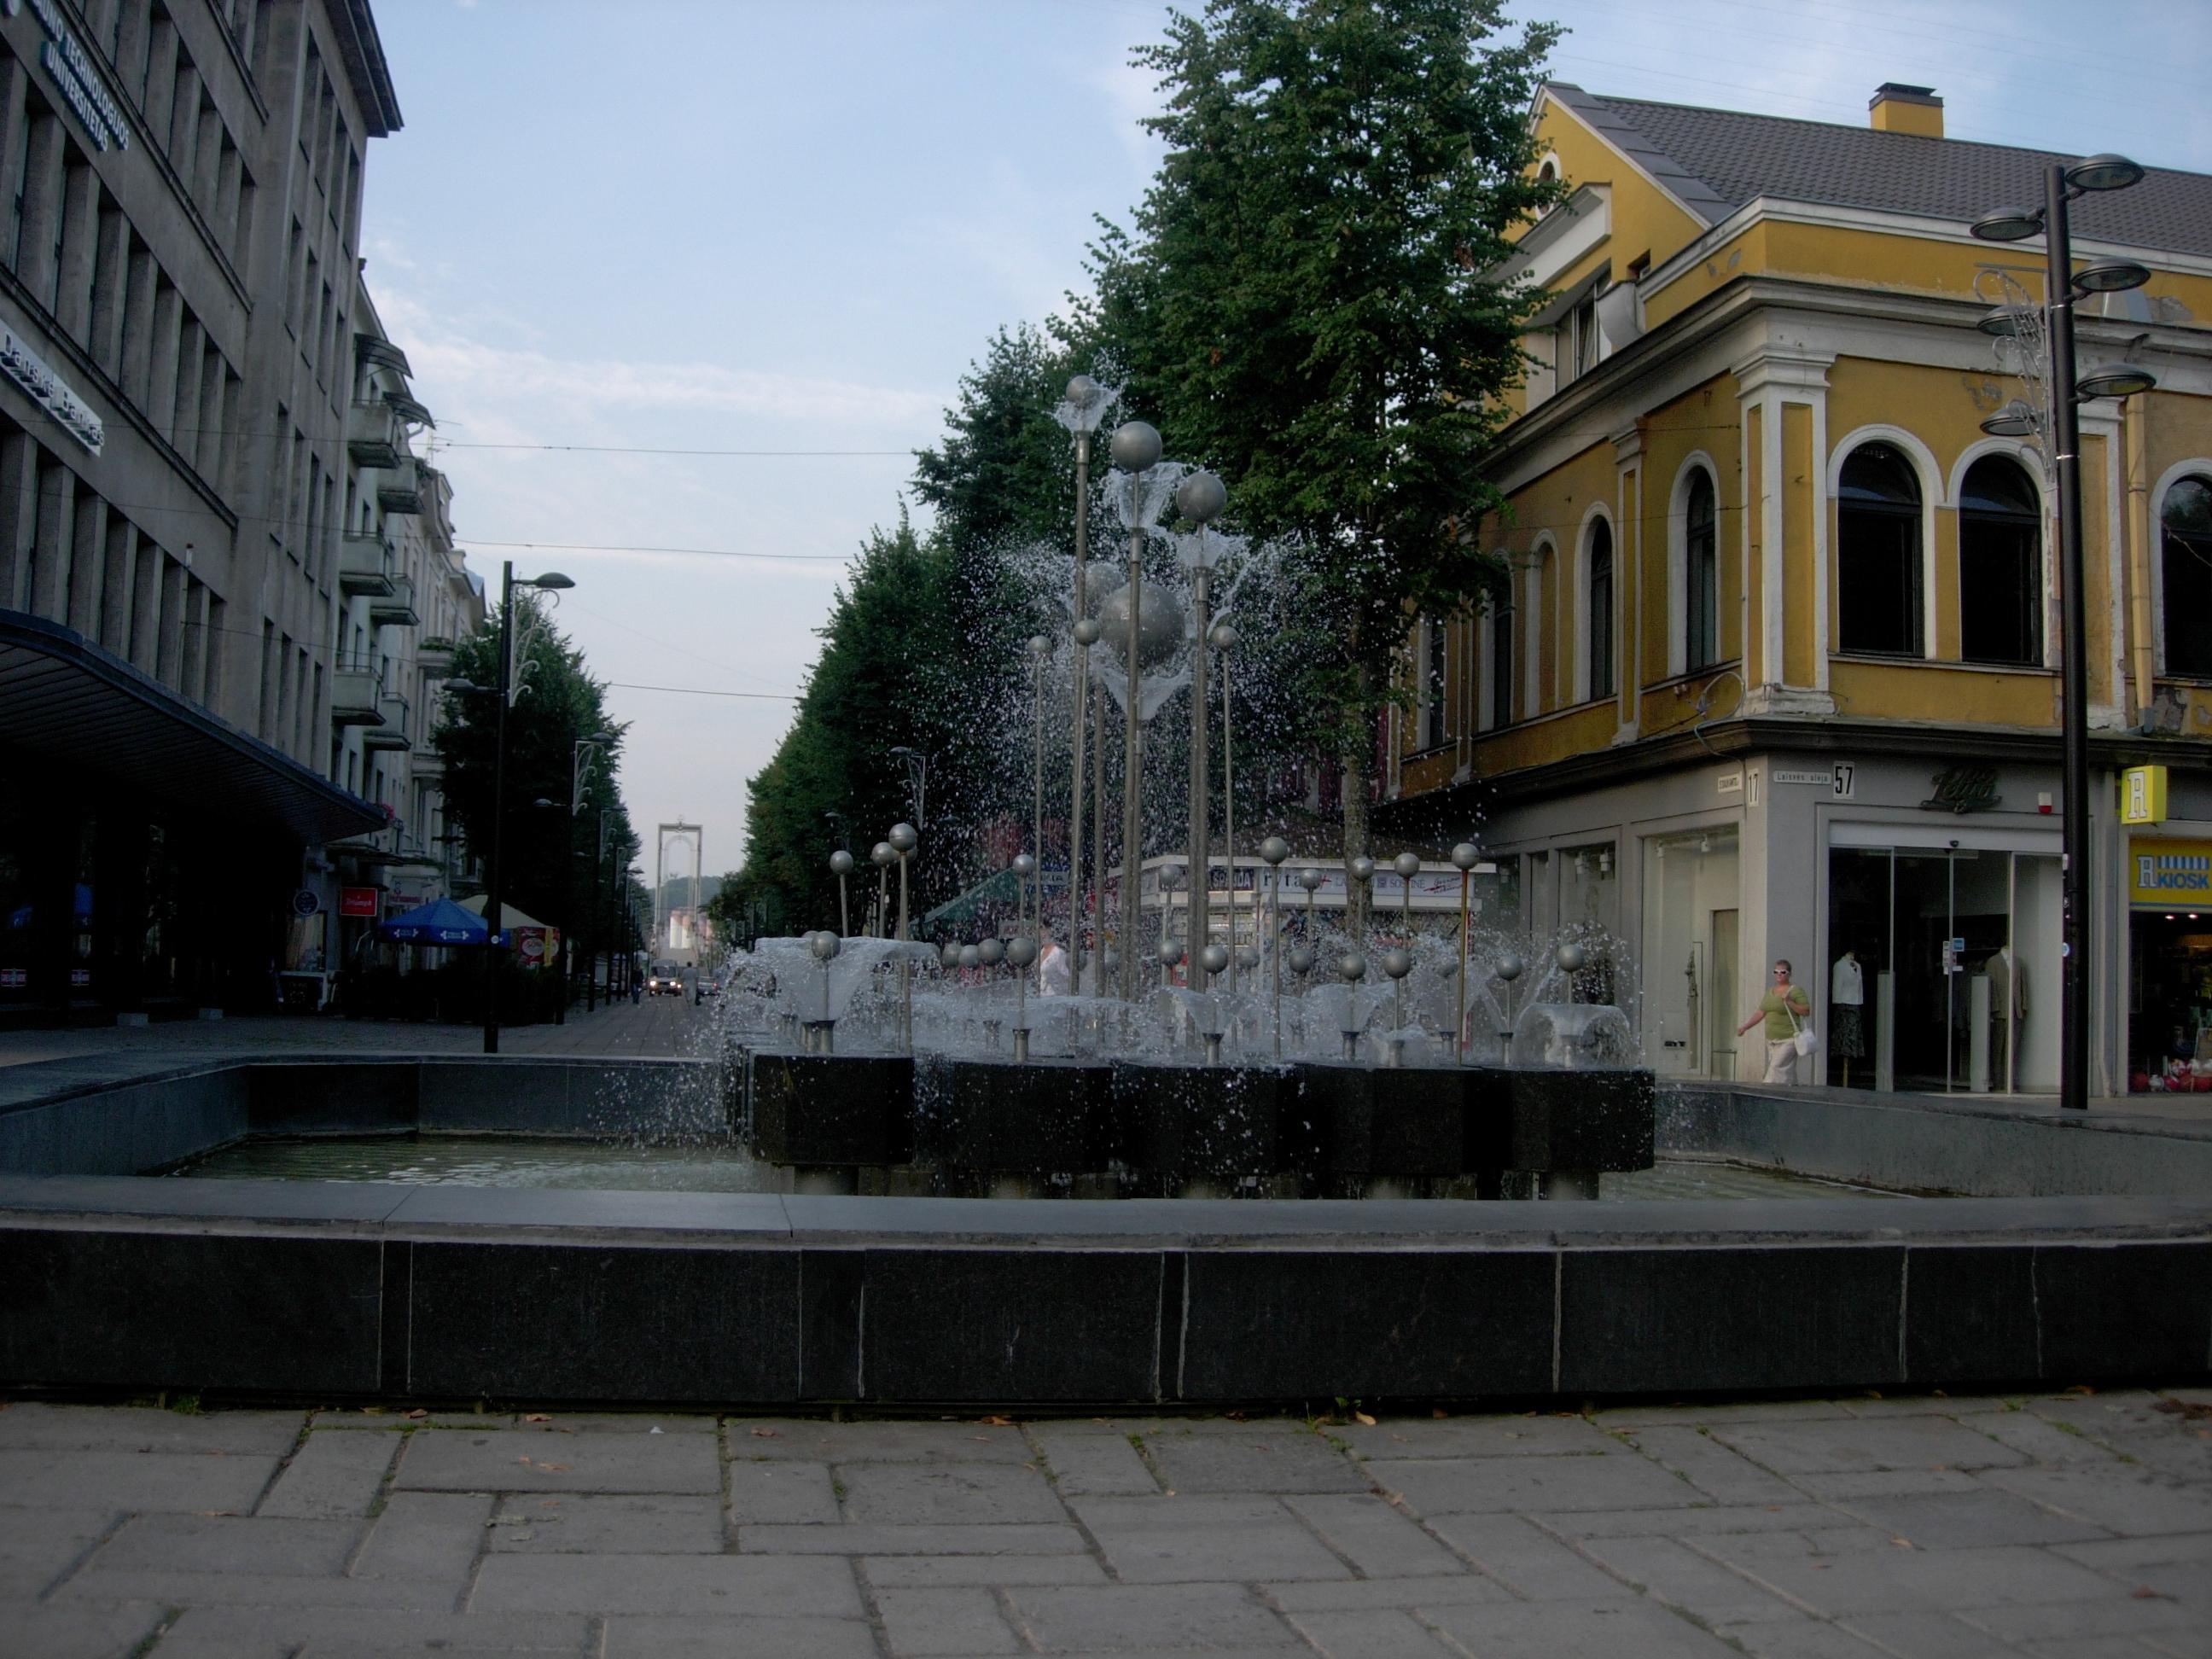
[
  {"x": 917, "y": 781},
  {"x": 505, "y": 689},
  {"x": 581, "y": 752},
  {"x": 2059, "y": 424}
]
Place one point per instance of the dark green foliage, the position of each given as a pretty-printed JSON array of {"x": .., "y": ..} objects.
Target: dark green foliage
[
  {"x": 1301, "y": 299},
  {"x": 548, "y": 856}
]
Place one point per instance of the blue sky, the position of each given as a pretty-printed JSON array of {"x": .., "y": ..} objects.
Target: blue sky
[{"x": 718, "y": 224}]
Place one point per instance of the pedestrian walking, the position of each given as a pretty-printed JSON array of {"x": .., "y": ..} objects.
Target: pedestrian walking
[{"x": 1785, "y": 1008}]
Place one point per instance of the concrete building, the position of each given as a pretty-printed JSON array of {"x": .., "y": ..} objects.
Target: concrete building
[
  {"x": 185, "y": 425},
  {"x": 1778, "y": 673}
]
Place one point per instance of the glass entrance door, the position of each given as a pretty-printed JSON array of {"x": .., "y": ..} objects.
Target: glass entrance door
[{"x": 1944, "y": 941}]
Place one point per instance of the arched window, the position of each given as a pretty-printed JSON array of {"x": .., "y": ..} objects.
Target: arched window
[
  {"x": 1701, "y": 545},
  {"x": 1878, "y": 553},
  {"x": 1598, "y": 600},
  {"x": 2000, "y": 565},
  {"x": 2186, "y": 572}
]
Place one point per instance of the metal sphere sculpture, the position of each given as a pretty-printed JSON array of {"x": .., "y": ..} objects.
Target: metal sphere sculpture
[
  {"x": 1159, "y": 623},
  {"x": 1086, "y": 631},
  {"x": 1223, "y": 637},
  {"x": 991, "y": 953},
  {"x": 824, "y": 944},
  {"x": 1040, "y": 647},
  {"x": 1214, "y": 958},
  {"x": 1507, "y": 967},
  {"x": 1310, "y": 877},
  {"x": 1135, "y": 446},
  {"x": 1408, "y": 864},
  {"x": 1083, "y": 391},
  {"x": 1397, "y": 963},
  {"x": 1274, "y": 850},
  {"x": 881, "y": 853},
  {"x": 841, "y": 863},
  {"x": 1351, "y": 967},
  {"x": 970, "y": 956},
  {"x": 1025, "y": 865},
  {"x": 1021, "y": 952},
  {"x": 948, "y": 954},
  {"x": 1170, "y": 953},
  {"x": 1465, "y": 855},
  {"x": 1200, "y": 497},
  {"x": 903, "y": 838},
  {"x": 1301, "y": 960},
  {"x": 1571, "y": 957},
  {"x": 1362, "y": 868}
]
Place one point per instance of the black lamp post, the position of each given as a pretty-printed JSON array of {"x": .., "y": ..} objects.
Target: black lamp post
[
  {"x": 2061, "y": 428},
  {"x": 503, "y": 690}
]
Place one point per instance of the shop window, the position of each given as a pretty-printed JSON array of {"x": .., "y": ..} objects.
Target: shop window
[
  {"x": 1435, "y": 643},
  {"x": 2185, "y": 572},
  {"x": 1701, "y": 543},
  {"x": 1598, "y": 602},
  {"x": 1878, "y": 553},
  {"x": 2000, "y": 565}
]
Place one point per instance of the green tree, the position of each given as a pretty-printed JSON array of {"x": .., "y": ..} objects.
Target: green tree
[
  {"x": 889, "y": 674},
  {"x": 549, "y": 855},
  {"x": 1304, "y": 301}
]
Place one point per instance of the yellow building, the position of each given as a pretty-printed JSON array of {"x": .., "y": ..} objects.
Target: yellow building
[{"x": 1778, "y": 678}]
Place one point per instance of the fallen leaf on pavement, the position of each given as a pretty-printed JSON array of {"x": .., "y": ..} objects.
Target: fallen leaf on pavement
[
  {"x": 2184, "y": 1409},
  {"x": 998, "y": 1422},
  {"x": 1439, "y": 1412},
  {"x": 1902, "y": 1543},
  {"x": 417, "y": 1415},
  {"x": 1361, "y": 1417},
  {"x": 2145, "y": 1593},
  {"x": 767, "y": 1434},
  {"x": 538, "y": 1417}
]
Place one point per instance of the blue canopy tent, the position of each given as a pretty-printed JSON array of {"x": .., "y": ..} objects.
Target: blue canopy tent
[{"x": 440, "y": 922}]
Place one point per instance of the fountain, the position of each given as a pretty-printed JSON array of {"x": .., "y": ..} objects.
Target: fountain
[{"x": 1412, "y": 1065}]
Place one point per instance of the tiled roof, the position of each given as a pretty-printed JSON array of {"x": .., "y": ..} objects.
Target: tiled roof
[{"x": 1718, "y": 160}]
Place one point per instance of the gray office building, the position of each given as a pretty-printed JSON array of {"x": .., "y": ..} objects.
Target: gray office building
[{"x": 183, "y": 469}]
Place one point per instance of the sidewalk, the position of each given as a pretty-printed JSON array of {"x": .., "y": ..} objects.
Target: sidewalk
[
  {"x": 658, "y": 1026},
  {"x": 2072, "y": 1526}
]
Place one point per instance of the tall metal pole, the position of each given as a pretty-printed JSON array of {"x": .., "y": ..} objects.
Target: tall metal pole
[
  {"x": 1132, "y": 761},
  {"x": 1082, "y": 712},
  {"x": 494, "y": 946},
  {"x": 2074, "y": 665},
  {"x": 592, "y": 961},
  {"x": 1097, "y": 835},
  {"x": 1199, "y": 926},
  {"x": 1225, "y": 639},
  {"x": 1040, "y": 648}
]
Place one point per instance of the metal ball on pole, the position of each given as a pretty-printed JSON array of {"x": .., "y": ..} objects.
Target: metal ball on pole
[
  {"x": 1272, "y": 852},
  {"x": 841, "y": 863},
  {"x": 1464, "y": 858},
  {"x": 903, "y": 840},
  {"x": 1136, "y": 449}
]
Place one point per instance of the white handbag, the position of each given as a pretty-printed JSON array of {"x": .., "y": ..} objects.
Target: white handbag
[{"x": 1806, "y": 1039}]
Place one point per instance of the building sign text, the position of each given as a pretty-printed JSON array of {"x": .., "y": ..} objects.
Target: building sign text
[{"x": 49, "y": 390}]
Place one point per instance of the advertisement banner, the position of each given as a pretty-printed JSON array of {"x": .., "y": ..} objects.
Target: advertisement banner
[
  {"x": 2166, "y": 875},
  {"x": 358, "y": 902}
]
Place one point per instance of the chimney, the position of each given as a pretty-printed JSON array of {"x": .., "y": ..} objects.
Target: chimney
[{"x": 1899, "y": 108}]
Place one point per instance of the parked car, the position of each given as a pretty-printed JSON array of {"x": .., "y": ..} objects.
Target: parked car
[{"x": 666, "y": 981}]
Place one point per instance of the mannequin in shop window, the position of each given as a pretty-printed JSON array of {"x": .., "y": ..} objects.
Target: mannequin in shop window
[
  {"x": 1846, "y": 1001},
  {"x": 2008, "y": 978}
]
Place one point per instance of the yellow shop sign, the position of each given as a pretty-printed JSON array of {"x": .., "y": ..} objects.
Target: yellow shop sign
[
  {"x": 2143, "y": 795},
  {"x": 2162, "y": 874}
]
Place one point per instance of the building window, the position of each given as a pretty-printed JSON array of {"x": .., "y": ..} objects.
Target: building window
[
  {"x": 1878, "y": 553},
  {"x": 1435, "y": 643},
  {"x": 2185, "y": 570},
  {"x": 1582, "y": 323},
  {"x": 1701, "y": 545},
  {"x": 2000, "y": 565},
  {"x": 1501, "y": 665},
  {"x": 1598, "y": 599},
  {"x": 19, "y": 146}
]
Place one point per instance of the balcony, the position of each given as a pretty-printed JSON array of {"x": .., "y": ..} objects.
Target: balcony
[
  {"x": 392, "y": 733},
  {"x": 354, "y": 695},
  {"x": 435, "y": 655},
  {"x": 364, "y": 566},
  {"x": 374, "y": 437},
  {"x": 395, "y": 609},
  {"x": 427, "y": 766},
  {"x": 400, "y": 490}
]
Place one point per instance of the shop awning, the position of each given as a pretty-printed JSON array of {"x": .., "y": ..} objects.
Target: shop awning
[{"x": 65, "y": 699}]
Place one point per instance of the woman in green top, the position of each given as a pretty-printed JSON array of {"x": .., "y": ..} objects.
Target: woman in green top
[{"x": 1784, "y": 1008}]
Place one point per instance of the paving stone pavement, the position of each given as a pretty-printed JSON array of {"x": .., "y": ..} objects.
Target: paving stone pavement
[{"x": 2074, "y": 1526}]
